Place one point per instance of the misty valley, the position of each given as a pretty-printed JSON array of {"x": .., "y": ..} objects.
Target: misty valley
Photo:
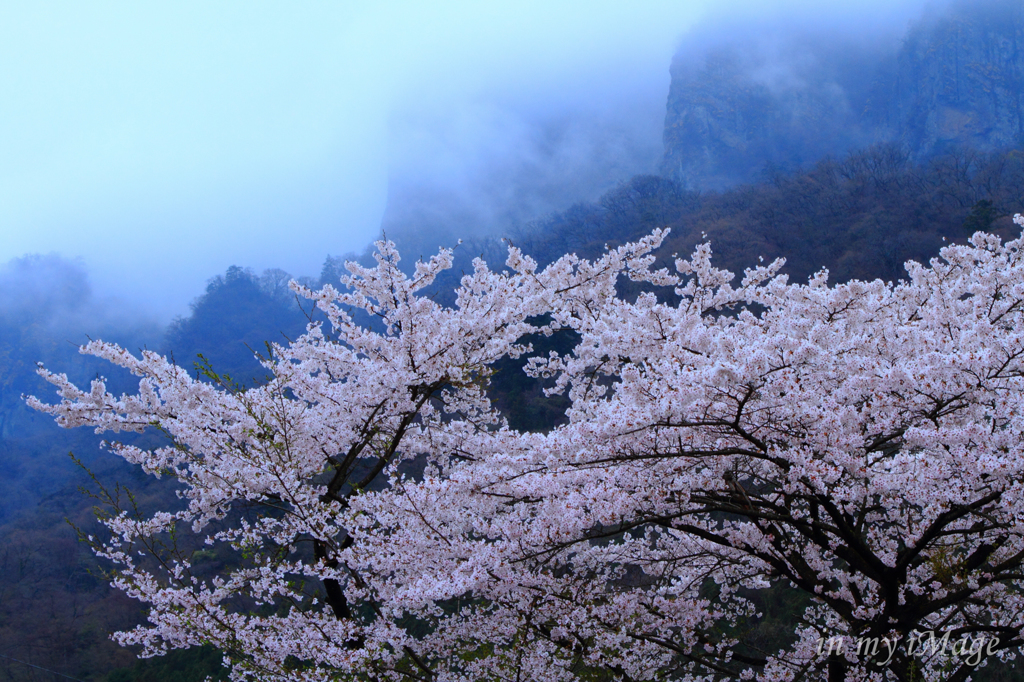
[{"x": 836, "y": 153}]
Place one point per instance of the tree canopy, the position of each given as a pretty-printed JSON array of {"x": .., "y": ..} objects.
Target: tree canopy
[{"x": 367, "y": 513}]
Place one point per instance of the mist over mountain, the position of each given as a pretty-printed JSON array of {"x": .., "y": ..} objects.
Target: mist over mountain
[
  {"x": 51, "y": 290},
  {"x": 47, "y": 310},
  {"x": 774, "y": 92},
  {"x": 738, "y": 108},
  {"x": 492, "y": 167},
  {"x": 759, "y": 101},
  {"x": 960, "y": 80}
]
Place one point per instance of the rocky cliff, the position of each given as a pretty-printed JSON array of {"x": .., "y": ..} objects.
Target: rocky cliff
[
  {"x": 739, "y": 110},
  {"x": 959, "y": 80}
]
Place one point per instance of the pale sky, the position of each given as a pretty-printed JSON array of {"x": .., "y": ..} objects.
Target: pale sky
[{"x": 162, "y": 142}]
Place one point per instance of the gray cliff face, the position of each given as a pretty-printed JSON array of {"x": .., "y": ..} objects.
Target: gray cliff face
[
  {"x": 959, "y": 81},
  {"x": 736, "y": 113},
  {"x": 740, "y": 113}
]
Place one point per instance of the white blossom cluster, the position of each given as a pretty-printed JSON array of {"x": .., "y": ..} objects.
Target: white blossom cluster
[{"x": 857, "y": 444}]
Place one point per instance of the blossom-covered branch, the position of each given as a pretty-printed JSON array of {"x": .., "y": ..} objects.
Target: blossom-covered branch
[{"x": 857, "y": 444}]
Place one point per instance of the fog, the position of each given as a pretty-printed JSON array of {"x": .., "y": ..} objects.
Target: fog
[
  {"x": 486, "y": 164},
  {"x": 485, "y": 168},
  {"x": 51, "y": 297},
  {"x": 158, "y": 146}
]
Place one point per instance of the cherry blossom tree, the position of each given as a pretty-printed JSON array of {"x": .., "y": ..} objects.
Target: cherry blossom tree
[{"x": 858, "y": 446}]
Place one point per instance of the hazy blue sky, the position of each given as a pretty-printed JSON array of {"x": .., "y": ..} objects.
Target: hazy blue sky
[{"x": 162, "y": 142}]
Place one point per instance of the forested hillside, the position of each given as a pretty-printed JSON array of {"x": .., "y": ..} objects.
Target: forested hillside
[{"x": 860, "y": 216}]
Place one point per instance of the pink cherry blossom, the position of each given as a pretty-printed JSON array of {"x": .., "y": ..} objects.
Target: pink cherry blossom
[{"x": 858, "y": 444}]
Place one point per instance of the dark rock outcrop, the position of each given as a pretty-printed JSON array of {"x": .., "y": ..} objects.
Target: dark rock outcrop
[
  {"x": 959, "y": 80},
  {"x": 738, "y": 112}
]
